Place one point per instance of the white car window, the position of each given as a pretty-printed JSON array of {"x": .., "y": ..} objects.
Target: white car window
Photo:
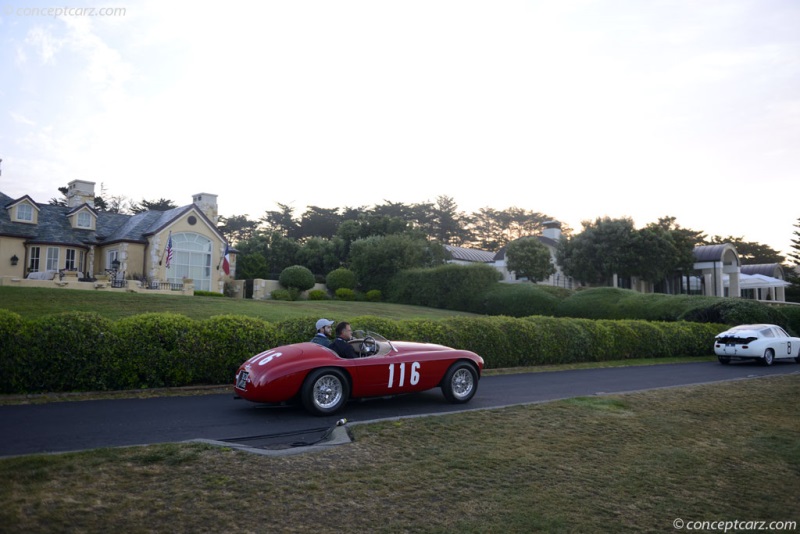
[
  {"x": 780, "y": 332},
  {"x": 767, "y": 332}
]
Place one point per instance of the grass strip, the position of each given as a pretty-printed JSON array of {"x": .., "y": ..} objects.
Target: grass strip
[{"x": 620, "y": 463}]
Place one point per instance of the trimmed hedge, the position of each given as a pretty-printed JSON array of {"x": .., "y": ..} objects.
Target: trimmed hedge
[
  {"x": 79, "y": 351},
  {"x": 449, "y": 287}
]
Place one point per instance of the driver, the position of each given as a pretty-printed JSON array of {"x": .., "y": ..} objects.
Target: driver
[{"x": 344, "y": 334}]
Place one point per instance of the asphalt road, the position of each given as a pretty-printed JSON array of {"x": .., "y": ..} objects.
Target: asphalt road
[{"x": 80, "y": 425}]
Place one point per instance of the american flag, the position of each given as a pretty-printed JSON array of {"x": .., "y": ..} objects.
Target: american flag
[{"x": 169, "y": 249}]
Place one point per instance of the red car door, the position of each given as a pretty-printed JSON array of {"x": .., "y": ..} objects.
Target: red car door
[{"x": 397, "y": 373}]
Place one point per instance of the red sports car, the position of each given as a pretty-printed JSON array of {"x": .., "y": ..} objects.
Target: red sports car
[{"x": 323, "y": 382}]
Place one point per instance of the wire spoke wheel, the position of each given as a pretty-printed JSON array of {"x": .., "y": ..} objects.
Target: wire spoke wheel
[{"x": 325, "y": 391}]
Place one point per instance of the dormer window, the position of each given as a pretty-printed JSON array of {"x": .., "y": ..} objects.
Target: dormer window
[
  {"x": 84, "y": 220},
  {"x": 25, "y": 212}
]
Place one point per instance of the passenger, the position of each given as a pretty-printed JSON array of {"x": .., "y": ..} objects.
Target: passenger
[
  {"x": 344, "y": 334},
  {"x": 323, "y": 332}
]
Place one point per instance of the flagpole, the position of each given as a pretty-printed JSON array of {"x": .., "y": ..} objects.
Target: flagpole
[{"x": 165, "y": 250}]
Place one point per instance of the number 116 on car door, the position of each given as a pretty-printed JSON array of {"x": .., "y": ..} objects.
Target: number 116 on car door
[{"x": 400, "y": 376}]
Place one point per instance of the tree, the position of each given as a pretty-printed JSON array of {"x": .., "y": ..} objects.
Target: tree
[
  {"x": 319, "y": 255},
  {"x": 237, "y": 228},
  {"x": 281, "y": 221},
  {"x": 530, "y": 259},
  {"x": 492, "y": 229},
  {"x": 750, "y": 253},
  {"x": 794, "y": 254},
  {"x": 278, "y": 251},
  {"x": 448, "y": 225},
  {"x": 793, "y": 273},
  {"x": 664, "y": 249},
  {"x": 486, "y": 229},
  {"x": 161, "y": 204},
  {"x": 252, "y": 265},
  {"x": 319, "y": 222},
  {"x": 376, "y": 259},
  {"x": 604, "y": 248}
]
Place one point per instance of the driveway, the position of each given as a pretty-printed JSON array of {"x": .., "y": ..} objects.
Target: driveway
[{"x": 79, "y": 425}]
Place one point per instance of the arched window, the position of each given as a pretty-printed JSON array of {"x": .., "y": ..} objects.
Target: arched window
[{"x": 191, "y": 258}]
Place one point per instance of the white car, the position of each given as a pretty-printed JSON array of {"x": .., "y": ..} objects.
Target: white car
[{"x": 764, "y": 342}]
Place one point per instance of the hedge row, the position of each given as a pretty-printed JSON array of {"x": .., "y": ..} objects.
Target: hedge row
[
  {"x": 78, "y": 351},
  {"x": 473, "y": 288}
]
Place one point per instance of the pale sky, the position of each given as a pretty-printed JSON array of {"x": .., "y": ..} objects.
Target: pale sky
[{"x": 574, "y": 108}]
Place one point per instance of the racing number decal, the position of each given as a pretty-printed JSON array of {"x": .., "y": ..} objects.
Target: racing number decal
[
  {"x": 789, "y": 346},
  {"x": 413, "y": 379},
  {"x": 265, "y": 358}
]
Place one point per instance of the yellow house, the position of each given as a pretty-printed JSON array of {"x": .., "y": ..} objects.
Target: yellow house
[{"x": 40, "y": 241}]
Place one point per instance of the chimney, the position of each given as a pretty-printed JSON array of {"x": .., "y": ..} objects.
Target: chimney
[
  {"x": 80, "y": 192},
  {"x": 207, "y": 204},
  {"x": 552, "y": 230}
]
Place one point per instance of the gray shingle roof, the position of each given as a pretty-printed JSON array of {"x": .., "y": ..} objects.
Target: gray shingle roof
[{"x": 54, "y": 225}]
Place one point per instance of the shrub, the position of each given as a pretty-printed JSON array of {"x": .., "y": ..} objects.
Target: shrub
[
  {"x": 297, "y": 277},
  {"x": 340, "y": 278},
  {"x": 72, "y": 351},
  {"x": 207, "y": 294},
  {"x": 451, "y": 286},
  {"x": 733, "y": 312},
  {"x": 12, "y": 346},
  {"x": 81, "y": 351},
  {"x": 594, "y": 303},
  {"x": 792, "y": 314},
  {"x": 345, "y": 294},
  {"x": 517, "y": 300},
  {"x": 294, "y": 330},
  {"x": 281, "y": 294},
  {"x": 158, "y": 350},
  {"x": 374, "y": 295},
  {"x": 317, "y": 294},
  {"x": 223, "y": 342}
]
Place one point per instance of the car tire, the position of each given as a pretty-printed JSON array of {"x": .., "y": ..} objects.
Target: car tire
[
  {"x": 769, "y": 357},
  {"x": 724, "y": 360},
  {"x": 460, "y": 383},
  {"x": 325, "y": 391}
]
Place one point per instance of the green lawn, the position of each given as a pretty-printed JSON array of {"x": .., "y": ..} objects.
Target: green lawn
[
  {"x": 621, "y": 463},
  {"x": 36, "y": 302}
]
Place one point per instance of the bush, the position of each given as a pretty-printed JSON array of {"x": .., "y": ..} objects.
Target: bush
[
  {"x": 81, "y": 351},
  {"x": 297, "y": 277},
  {"x": 158, "y": 350},
  {"x": 295, "y": 330},
  {"x": 451, "y": 286},
  {"x": 317, "y": 294},
  {"x": 207, "y": 294},
  {"x": 735, "y": 311},
  {"x": 281, "y": 294},
  {"x": 345, "y": 294},
  {"x": 340, "y": 278},
  {"x": 12, "y": 346},
  {"x": 792, "y": 314},
  {"x": 374, "y": 295},
  {"x": 72, "y": 351},
  {"x": 517, "y": 300},
  {"x": 223, "y": 342}
]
